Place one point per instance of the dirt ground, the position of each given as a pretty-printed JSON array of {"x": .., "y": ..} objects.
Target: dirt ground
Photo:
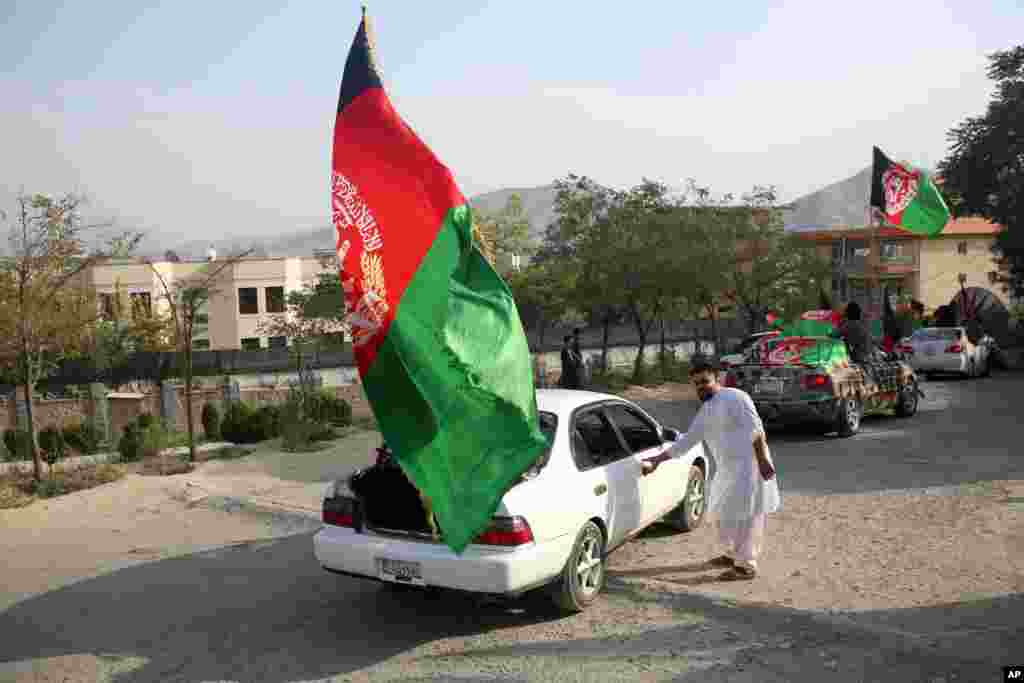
[
  {"x": 854, "y": 552},
  {"x": 91, "y": 532}
]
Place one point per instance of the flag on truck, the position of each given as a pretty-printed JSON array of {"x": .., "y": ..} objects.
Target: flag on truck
[
  {"x": 436, "y": 335},
  {"x": 907, "y": 197}
]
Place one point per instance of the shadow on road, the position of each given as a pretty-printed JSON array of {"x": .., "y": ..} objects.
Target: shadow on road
[{"x": 260, "y": 611}]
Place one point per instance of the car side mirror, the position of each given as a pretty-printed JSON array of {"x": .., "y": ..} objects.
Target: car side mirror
[{"x": 669, "y": 435}]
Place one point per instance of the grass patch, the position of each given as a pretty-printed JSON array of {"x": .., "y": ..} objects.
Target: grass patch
[
  {"x": 18, "y": 488},
  {"x": 978, "y": 488}
]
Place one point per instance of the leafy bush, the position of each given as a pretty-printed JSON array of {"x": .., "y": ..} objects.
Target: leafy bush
[
  {"x": 145, "y": 420},
  {"x": 270, "y": 420},
  {"x": 17, "y": 443},
  {"x": 325, "y": 407},
  {"x": 243, "y": 424},
  {"x": 152, "y": 440},
  {"x": 51, "y": 443},
  {"x": 130, "y": 444},
  {"x": 84, "y": 437},
  {"x": 211, "y": 422}
]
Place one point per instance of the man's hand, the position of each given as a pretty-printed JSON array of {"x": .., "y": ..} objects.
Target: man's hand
[
  {"x": 761, "y": 455},
  {"x": 651, "y": 464}
]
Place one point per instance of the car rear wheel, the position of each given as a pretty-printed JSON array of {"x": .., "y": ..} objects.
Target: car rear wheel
[
  {"x": 848, "y": 417},
  {"x": 689, "y": 514},
  {"x": 986, "y": 367},
  {"x": 972, "y": 369},
  {"x": 583, "y": 576}
]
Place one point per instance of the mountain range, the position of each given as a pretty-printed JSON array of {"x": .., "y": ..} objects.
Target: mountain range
[{"x": 841, "y": 203}]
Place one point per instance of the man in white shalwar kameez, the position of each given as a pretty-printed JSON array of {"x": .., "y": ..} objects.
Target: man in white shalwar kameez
[{"x": 744, "y": 490}]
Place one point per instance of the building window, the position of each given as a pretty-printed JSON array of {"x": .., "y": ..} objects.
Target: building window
[
  {"x": 107, "y": 306},
  {"x": 250, "y": 343},
  {"x": 248, "y": 301},
  {"x": 275, "y": 299},
  {"x": 201, "y": 344},
  {"x": 142, "y": 304},
  {"x": 961, "y": 248},
  {"x": 277, "y": 342}
]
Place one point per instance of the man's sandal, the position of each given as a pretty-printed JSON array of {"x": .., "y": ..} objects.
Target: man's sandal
[
  {"x": 738, "y": 574},
  {"x": 722, "y": 561}
]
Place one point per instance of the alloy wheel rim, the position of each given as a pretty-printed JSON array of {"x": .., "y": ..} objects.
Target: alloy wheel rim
[{"x": 588, "y": 566}]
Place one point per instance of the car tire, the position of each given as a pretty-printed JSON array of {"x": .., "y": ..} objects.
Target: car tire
[
  {"x": 907, "y": 401},
  {"x": 986, "y": 367},
  {"x": 689, "y": 514},
  {"x": 972, "y": 369},
  {"x": 848, "y": 417},
  {"x": 581, "y": 580}
]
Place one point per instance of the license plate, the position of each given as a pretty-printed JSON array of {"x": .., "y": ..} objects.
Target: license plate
[
  {"x": 401, "y": 571},
  {"x": 769, "y": 386}
]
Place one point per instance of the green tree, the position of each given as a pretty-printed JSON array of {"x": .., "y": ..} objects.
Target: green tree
[
  {"x": 45, "y": 310},
  {"x": 542, "y": 294},
  {"x": 771, "y": 269},
  {"x": 984, "y": 171},
  {"x": 509, "y": 230},
  {"x": 187, "y": 299}
]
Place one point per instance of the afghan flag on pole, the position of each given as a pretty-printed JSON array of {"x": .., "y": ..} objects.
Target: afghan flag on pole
[
  {"x": 907, "y": 197},
  {"x": 438, "y": 341}
]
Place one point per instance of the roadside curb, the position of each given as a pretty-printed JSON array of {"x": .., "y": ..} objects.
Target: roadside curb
[{"x": 294, "y": 518}]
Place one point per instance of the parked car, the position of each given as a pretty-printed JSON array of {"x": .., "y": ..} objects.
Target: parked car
[
  {"x": 935, "y": 350},
  {"x": 584, "y": 497},
  {"x": 811, "y": 380},
  {"x": 740, "y": 352}
]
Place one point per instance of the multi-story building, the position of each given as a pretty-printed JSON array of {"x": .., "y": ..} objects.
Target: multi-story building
[
  {"x": 867, "y": 261},
  {"x": 243, "y": 293}
]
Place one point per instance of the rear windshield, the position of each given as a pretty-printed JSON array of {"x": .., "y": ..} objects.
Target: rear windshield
[{"x": 937, "y": 333}]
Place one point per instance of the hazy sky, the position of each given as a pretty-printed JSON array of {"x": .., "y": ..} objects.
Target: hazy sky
[{"x": 208, "y": 119}]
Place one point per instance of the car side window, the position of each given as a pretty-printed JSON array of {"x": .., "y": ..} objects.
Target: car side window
[
  {"x": 638, "y": 432},
  {"x": 594, "y": 441}
]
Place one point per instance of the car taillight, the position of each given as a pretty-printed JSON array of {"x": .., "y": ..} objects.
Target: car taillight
[
  {"x": 904, "y": 348},
  {"x": 813, "y": 382},
  {"x": 507, "y": 531},
  {"x": 955, "y": 348},
  {"x": 340, "y": 511},
  {"x": 730, "y": 379}
]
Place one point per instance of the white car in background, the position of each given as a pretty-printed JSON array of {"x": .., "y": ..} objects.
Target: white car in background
[
  {"x": 939, "y": 350},
  {"x": 553, "y": 529}
]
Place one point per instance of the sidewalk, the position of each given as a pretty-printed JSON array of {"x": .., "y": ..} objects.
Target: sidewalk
[
  {"x": 110, "y": 456},
  {"x": 287, "y": 485}
]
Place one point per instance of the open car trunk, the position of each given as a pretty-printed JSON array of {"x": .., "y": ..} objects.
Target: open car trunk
[
  {"x": 390, "y": 504},
  {"x": 389, "y": 501}
]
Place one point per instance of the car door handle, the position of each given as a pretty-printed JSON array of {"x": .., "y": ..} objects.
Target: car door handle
[{"x": 600, "y": 489}]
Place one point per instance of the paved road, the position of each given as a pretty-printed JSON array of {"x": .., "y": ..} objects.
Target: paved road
[{"x": 965, "y": 431}]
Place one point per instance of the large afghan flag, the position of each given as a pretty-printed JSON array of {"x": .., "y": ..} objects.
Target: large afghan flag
[
  {"x": 907, "y": 197},
  {"x": 438, "y": 341}
]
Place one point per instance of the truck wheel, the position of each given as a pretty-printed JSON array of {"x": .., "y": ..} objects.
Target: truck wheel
[
  {"x": 848, "y": 417},
  {"x": 689, "y": 514},
  {"x": 583, "y": 575}
]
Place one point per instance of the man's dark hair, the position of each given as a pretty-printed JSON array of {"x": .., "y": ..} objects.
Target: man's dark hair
[
  {"x": 853, "y": 311},
  {"x": 567, "y": 338},
  {"x": 576, "y": 331},
  {"x": 703, "y": 363},
  {"x": 917, "y": 306}
]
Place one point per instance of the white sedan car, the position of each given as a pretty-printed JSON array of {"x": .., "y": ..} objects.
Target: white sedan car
[
  {"x": 934, "y": 350},
  {"x": 554, "y": 528}
]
